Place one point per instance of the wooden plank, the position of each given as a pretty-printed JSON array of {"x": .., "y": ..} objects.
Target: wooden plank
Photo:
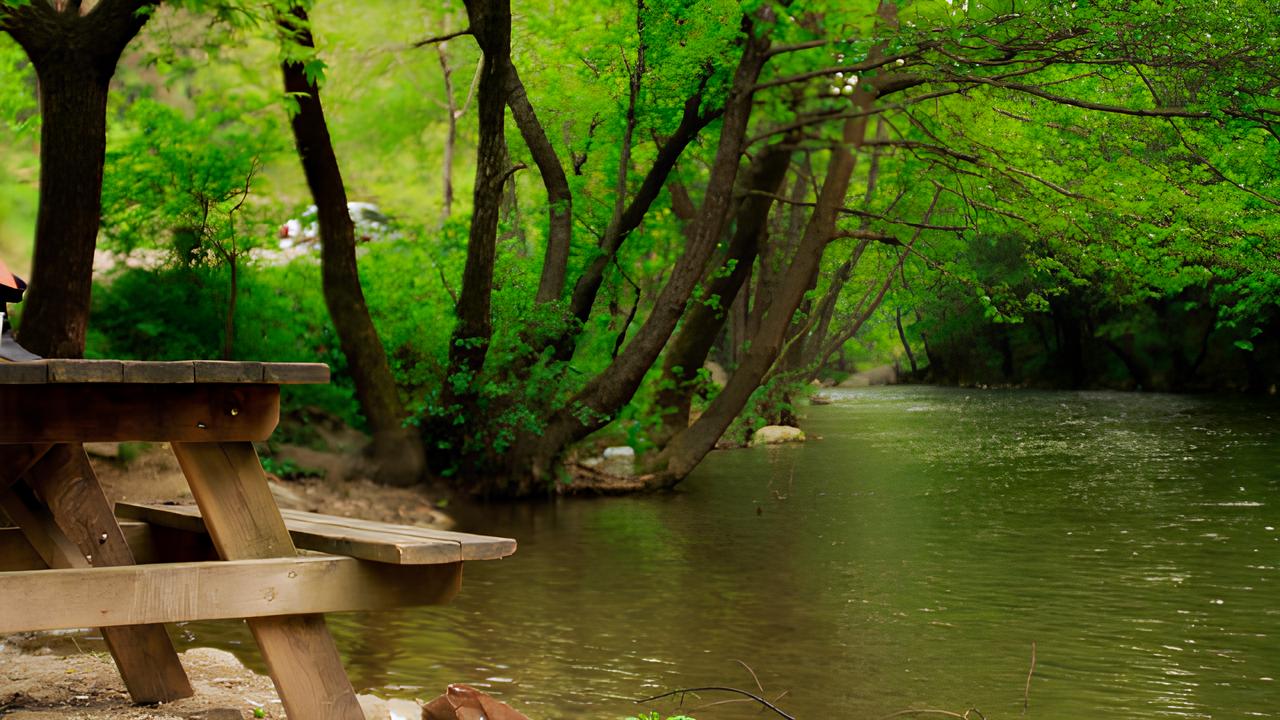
[
  {"x": 24, "y": 373},
  {"x": 16, "y": 552},
  {"x": 138, "y": 371},
  {"x": 114, "y": 412},
  {"x": 382, "y": 544},
  {"x": 63, "y": 371},
  {"x": 474, "y": 547},
  {"x": 225, "y": 371},
  {"x": 295, "y": 373},
  {"x": 64, "y": 480},
  {"x": 276, "y": 591},
  {"x": 241, "y": 515},
  {"x": 85, "y": 371}
]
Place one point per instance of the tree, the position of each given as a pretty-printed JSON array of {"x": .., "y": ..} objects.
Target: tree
[
  {"x": 396, "y": 448},
  {"x": 74, "y": 49}
]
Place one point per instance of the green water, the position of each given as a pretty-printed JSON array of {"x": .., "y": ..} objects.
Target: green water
[{"x": 908, "y": 558}]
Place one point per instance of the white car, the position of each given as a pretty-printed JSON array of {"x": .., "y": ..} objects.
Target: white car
[{"x": 370, "y": 222}]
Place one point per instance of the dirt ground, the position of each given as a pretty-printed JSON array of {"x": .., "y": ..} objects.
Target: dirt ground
[{"x": 39, "y": 682}]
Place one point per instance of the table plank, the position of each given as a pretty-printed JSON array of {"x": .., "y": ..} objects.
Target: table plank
[
  {"x": 473, "y": 547},
  {"x": 112, "y": 412},
  {"x": 240, "y": 513},
  {"x": 280, "y": 594},
  {"x": 308, "y": 530},
  {"x": 148, "y": 372},
  {"x": 64, "y": 480}
]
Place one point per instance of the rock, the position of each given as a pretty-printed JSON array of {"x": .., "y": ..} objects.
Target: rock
[
  {"x": 620, "y": 452},
  {"x": 375, "y": 708},
  {"x": 461, "y": 702},
  {"x": 719, "y": 376},
  {"x": 404, "y": 709},
  {"x": 619, "y": 460},
  {"x": 820, "y": 400},
  {"x": 776, "y": 434}
]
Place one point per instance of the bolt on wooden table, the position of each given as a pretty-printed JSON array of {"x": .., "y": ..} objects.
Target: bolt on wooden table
[{"x": 210, "y": 413}]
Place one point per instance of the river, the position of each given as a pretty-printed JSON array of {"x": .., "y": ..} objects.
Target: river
[{"x": 908, "y": 556}]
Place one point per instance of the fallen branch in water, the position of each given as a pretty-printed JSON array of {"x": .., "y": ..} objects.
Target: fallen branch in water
[
  {"x": 1026, "y": 693},
  {"x": 681, "y": 692}
]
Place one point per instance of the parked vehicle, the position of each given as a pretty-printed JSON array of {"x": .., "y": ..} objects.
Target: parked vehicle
[{"x": 370, "y": 222}]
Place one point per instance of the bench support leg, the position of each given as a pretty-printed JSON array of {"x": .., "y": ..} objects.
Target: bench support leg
[
  {"x": 77, "y": 525},
  {"x": 241, "y": 516}
]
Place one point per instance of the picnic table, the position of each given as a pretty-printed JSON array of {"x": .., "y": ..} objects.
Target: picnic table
[{"x": 72, "y": 563}]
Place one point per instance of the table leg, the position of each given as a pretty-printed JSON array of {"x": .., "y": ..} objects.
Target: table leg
[
  {"x": 79, "y": 529},
  {"x": 241, "y": 516}
]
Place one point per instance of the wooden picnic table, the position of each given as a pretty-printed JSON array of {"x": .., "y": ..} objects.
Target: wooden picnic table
[{"x": 131, "y": 578}]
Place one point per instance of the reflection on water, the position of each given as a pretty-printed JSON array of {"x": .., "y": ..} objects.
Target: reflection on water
[{"x": 908, "y": 558}]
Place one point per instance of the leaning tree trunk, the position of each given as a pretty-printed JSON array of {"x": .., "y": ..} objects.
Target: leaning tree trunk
[
  {"x": 530, "y": 462},
  {"x": 688, "y": 447},
  {"x": 74, "y": 56},
  {"x": 706, "y": 318},
  {"x": 397, "y": 450}
]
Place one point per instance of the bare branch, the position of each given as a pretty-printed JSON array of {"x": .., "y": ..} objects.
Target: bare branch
[{"x": 441, "y": 38}]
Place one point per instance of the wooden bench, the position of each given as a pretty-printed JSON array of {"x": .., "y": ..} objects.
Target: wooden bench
[
  {"x": 129, "y": 578},
  {"x": 364, "y": 539}
]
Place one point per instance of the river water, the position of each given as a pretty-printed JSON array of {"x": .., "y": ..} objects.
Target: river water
[{"x": 909, "y": 556}]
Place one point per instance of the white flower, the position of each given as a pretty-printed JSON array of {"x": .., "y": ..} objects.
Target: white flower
[
  {"x": 899, "y": 62},
  {"x": 835, "y": 90},
  {"x": 839, "y": 76},
  {"x": 847, "y": 90},
  {"x": 853, "y": 80}
]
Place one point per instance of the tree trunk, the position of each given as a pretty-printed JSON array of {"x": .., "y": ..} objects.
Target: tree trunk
[
  {"x": 74, "y": 57},
  {"x": 555, "y": 262},
  {"x": 396, "y": 449},
  {"x": 705, "y": 319},
  {"x": 688, "y": 447},
  {"x": 73, "y": 142},
  {"x": 530, "y": 461}
]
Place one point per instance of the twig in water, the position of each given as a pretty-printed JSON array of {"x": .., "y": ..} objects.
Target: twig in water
[
  {"x": 1026, "y": 693},
  {"x": 753, "y": 696}
]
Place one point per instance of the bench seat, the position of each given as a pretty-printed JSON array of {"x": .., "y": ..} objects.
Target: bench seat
[{"x": 363, "y": 539}]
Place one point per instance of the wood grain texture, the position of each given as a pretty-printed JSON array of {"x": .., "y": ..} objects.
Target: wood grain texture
[
  {"x": 220, "y": 371},
  {"x": 65, "y": 483},
  {"x": 276, "y": 592},
  {"x": 137, "y": 371},
  {"x": 473, "y": 547},
  {"x": 85, "y": 371},
  {"x": 295, "y": 373},
  {"x": 231, "y": 489},
  {"x": 115, "y": 412},
  {"x": 60, "y": 371},
  {"x": 364, "y": 539},
  {"x": 16, "y": 552},
  {"x": 25, "y": 373}
]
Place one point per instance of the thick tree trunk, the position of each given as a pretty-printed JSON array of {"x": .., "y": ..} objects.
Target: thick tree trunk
[
  {"x": 74, "y": 56},
  {"x": 704, "y": 320},
  {"x": 73, "y": 142},
  {"x": 688, "y": 447},
  {"x": 396, "y": 449}
]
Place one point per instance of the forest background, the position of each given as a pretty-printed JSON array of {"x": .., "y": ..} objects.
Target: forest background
[{"x": 1024, "y": 193}]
